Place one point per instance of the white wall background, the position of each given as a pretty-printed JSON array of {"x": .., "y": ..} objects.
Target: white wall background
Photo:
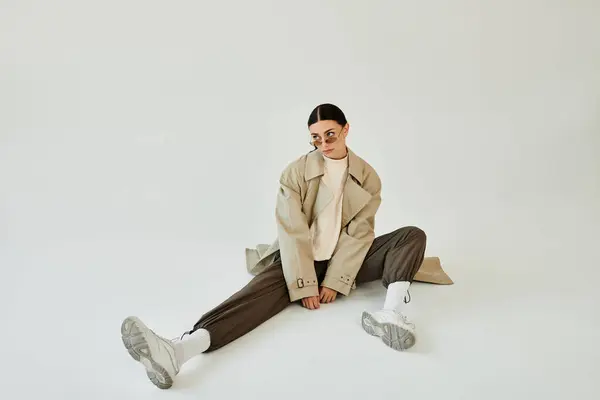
[{"x": 137, "y": 136}]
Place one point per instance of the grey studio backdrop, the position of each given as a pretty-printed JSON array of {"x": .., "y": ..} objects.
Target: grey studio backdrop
[{"x": 140, "y": 147}]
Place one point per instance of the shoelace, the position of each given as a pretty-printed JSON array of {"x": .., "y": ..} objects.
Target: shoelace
[
  {"x": 180, "y": 338},
  {"x": 409, "y": 298},
  {"x": 185, "y": 333}
]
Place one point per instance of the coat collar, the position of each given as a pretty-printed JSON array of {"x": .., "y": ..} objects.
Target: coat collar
[
  {"x": 355, "y": 197},
  {"x": 315, "y": 166}
]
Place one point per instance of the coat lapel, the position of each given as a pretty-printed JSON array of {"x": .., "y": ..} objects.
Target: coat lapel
[
  {"x": 324, "y": 197},
  {"x": 315, "y": 169},
  {"x": 355, "y": 199}
]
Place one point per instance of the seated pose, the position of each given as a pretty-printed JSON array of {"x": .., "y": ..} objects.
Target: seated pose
[{"x": 325, "y": 246}]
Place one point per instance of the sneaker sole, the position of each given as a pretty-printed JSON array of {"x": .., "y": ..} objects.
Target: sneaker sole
[
  {"x": 392, "y": 335},
  {"x": 132, "y": 334}
]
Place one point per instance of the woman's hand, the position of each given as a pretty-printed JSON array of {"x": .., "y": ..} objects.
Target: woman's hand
[
  {"x": 311, "y": 303},
  {"x": 327, "y": 295}
]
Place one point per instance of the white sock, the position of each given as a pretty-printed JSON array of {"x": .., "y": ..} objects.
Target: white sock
[
  {"x": 192, "y": 345},
  {"x": 395, "y": 296}
]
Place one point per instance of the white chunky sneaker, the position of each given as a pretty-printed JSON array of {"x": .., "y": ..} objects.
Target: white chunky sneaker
[
  {"x": 154, "y": 352},
  {"x": 392, "y": 327}
]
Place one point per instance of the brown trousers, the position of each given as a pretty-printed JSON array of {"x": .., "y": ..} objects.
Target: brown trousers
[{"x": 393, "y": 257}]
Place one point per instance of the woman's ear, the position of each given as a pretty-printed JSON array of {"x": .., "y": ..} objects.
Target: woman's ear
[{"x": 346, "y": 129}]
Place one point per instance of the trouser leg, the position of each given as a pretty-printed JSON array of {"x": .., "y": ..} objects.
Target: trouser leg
[
  {"x": 394, "y": 257},
  {"x": 262, "y": 298}
]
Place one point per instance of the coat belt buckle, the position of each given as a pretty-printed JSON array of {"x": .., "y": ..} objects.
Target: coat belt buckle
[{"x": 300, "y": 283}]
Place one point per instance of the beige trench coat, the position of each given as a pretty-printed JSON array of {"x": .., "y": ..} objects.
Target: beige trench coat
[{"x": 300, "y": 199}]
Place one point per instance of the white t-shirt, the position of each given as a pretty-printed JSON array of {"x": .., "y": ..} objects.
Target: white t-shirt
[{"x": 325, "y": 231}]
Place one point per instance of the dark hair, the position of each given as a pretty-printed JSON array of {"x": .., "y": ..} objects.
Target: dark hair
[{"x": 327, "y": 112}]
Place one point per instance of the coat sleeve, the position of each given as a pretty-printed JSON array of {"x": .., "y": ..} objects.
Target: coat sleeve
[
  {"x": 355, "y": 241},
  {"x": 294, "y": 239}
]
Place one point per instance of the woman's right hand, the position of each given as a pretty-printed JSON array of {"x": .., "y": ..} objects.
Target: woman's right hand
[{"x": 311, "y": 303}]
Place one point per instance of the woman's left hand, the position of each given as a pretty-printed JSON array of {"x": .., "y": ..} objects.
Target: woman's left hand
[{"x": 327, "y": 295}]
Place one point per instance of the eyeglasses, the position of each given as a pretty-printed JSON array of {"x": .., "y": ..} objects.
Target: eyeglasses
[{"x": 316, "y": 140}]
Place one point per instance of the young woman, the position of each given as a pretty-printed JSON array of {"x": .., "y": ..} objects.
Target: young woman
[{"x": 326, "y": 244}]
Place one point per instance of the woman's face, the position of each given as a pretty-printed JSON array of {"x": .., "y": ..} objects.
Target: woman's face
[{"x": 329, "y": 138}]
